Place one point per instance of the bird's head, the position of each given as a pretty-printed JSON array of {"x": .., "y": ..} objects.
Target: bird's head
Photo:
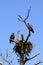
[
  {"x": 28, "y": 23},
  {"x": 12, "y": 33},
  {"x": 18, "y": 31}
]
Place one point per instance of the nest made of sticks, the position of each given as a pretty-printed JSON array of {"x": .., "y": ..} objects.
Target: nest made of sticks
[{"x": 26, "y": 46}]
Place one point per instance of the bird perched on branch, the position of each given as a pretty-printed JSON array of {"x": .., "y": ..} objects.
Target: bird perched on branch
[
  {"x": 30, "y": 28},
  {"x": 12, "y": 36}
]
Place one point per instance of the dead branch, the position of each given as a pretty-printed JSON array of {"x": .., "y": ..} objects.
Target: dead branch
[
  {"x": 6, "y": 53},
  {"x": 18, "y": 35},
  {"x": 31, "y": 58},
  {"x": 27, "y": 37},
  {"x": 22, "y": 37},
  {"x": 26, "y": 41},
  {"x": 21, "y": 19},
  {"x": 27, "y": 14},
  {"x": 6, "y": 59},
  {"x": 38, "y": 62}
]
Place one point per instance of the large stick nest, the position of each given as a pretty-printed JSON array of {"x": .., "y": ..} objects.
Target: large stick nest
[{"x": 27, "y": 47}]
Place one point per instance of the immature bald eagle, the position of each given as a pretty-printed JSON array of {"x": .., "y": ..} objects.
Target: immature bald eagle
[
  {"x": 30, "y": 28},
  {"x": 12, "y": 36}
]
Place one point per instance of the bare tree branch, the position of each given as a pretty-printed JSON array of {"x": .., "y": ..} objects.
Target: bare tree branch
[
  {"x": 27, "y": 37},
  {"x": 26, "y": 41},
  {"x": 19, "y": 36},
  {"x": 6, "y": 53},
  {"x": 31, "y": 58},
  {"x": 24, "y": 20},
  {"x": 22, "y": 36},
  {"x": 27, "y": 14},
  {"x": 0, "y": 54},
  {"x": 21, "y": 19},
  {"x": 38, "y": 62},
  {"x": 34, "y": 56},
  {"x": 6, "y": 59}
]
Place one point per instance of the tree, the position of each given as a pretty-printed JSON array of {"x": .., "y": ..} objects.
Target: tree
[{"x": 24, "y": 47}]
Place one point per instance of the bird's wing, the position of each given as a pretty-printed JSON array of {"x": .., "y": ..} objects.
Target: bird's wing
[{"x": 30, "y": 26}]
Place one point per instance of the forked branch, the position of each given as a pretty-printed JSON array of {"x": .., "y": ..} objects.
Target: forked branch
[
  {"x": 24, "y": 20},
  {"x": 31, "y": 58},
  {"x": 27, "y": 14}
]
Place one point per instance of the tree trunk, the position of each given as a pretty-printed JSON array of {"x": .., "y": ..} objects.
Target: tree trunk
[
  {"x": 22, "y": 55},
  {"x": 22, "y": 59}
]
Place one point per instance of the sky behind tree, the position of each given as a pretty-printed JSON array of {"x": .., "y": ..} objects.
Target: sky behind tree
[{"x": 9, "y": 10}]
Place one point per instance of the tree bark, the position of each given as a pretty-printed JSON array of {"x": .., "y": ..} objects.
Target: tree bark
[
  {"x": 22, "y": 59},
  {"x": 22, "y": 55}
]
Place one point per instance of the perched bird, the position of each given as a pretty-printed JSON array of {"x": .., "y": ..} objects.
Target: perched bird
[
  {"x": 30, "y": 28},
  {"x": 12, "y": 36}
]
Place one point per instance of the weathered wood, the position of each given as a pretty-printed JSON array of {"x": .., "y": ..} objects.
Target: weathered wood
[{"x": 22, "y": 59}]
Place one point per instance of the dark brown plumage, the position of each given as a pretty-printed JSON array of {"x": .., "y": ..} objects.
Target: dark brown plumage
[
  {"x": 30, "y": 28},
  {"x": 12, "y": 36}
]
